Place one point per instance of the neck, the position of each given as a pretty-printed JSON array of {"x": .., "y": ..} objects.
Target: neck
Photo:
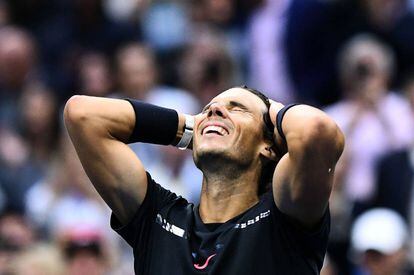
[{"x": 224, "y": 197}]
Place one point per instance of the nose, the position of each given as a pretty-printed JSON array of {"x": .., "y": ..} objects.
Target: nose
[{"x": 217, "y": 110}]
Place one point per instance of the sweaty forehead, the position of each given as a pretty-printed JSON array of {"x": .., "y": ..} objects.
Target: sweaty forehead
[{"x": 250, "y": 100}]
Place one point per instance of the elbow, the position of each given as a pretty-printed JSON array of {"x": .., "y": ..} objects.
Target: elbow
[
  {"x": 324, "y": 135},
  {"x": 75, "y": 110}
]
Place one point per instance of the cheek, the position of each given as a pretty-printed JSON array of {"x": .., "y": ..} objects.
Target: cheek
[{"x": 249, "y": 139}]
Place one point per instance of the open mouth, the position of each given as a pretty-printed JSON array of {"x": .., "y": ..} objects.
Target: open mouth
[{"x": 215, "y": 130}]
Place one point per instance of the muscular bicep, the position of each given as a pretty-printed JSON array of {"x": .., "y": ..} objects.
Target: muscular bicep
[
  {"x": 113, "y": 168},
  {"x": 303, "y": 178},
  {"x": 302, "y": 195},
  {"x": 117, "y": 175}
]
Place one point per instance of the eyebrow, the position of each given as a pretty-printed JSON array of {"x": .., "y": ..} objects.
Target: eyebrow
[{"x": 231, "y": 103}]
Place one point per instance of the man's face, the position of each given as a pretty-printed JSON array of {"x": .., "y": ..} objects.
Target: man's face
[{"x": 231, "y": 127}]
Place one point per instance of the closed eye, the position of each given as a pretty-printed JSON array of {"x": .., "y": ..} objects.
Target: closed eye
[
  {"x": 237, "y": 109},
  {"x": 231, "y": 106}
]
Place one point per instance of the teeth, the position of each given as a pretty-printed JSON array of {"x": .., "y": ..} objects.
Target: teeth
[{"x": 214, "y": 128}]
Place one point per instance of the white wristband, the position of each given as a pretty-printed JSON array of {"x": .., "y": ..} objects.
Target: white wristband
[{"x": 187, "y": 134}]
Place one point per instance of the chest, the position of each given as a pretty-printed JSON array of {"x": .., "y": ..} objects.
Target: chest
[{"x": 252, "y": 245}]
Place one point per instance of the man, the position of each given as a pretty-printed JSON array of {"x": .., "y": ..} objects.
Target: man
[
  {"x": 236, "y": 228},
  {"x": 370, "y": 117},
  {"x": 137, "y": 71},
  {"x": 380, "y": 239}
]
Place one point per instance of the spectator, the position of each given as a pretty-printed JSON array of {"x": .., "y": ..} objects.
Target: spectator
[
  {"x": 94, "y": 30},
  {"x": 84, "y": 252},
  {"x": 380, "y": 239},
  {"x": 218, "y": 13},
  {"x": 313, "y": 43},
  {"x": 17, "y": 172},
  {"x": 26, "y": 150},
  {"x": 370, "y": 114},
  {"x": 17, "y": 65},
  {"x": 370, "y": 117},
  {"x": 39, "y": 122},
  {"x": 206, "y": 67},
  {"x": 267, "y": 64},
  {"x": 136, "y": 71},
  {"x": 64, "y": 198},
  {"x": 167, "y": 29},
  {"x": 124, "y": 11},
  {"x": 311, "y": 46},
  {"x": 16, "y": 235},
  {"x": 227, "y": 16},
  {"x": 40, "y": 259},
  {"x": 226, "y": 19},
  {"x": 395, "y": 176},
  {"x": 95, "y": 76},
  {"x": 137, "y": 75},
  {"x": 166, "y": 26},
  {"x": 50, "y": 49},
  {"x": 392, "y": 21},
  {"x": 65, "y": 29}
]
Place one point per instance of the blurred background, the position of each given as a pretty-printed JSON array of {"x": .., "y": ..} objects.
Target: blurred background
[{"x": 352, "y": 58}]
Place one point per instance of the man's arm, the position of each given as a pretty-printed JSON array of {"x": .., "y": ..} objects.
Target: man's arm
[
  {"x": 99, "y": 129},
  {"x": 303, "y": 178}
]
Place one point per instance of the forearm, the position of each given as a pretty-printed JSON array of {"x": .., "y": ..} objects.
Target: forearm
[
  {"x": 99, "y": 129},
  {"x": 102, "y": 117},
  {"x": 308, "y": 129},
  {"x": 108, "y": 118},
  {"x": 304, "y": 176}
]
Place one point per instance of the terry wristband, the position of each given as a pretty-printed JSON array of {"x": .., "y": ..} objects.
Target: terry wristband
[
  {"x": 279, "y": 119},
  {"x": 187, "y": 133},
  {"x": 153, "y": 124}
]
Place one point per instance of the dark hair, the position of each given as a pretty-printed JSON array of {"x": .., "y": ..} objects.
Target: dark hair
[
  {"x": 74, "y": 247},
  {"x": 268, "y": 127}
]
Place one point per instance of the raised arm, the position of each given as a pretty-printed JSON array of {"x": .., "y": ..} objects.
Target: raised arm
[
  {"x": 99, "y": 129},
  {"x": 303, "y": 178}
]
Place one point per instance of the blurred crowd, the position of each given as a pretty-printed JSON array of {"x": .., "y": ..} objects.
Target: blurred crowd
[{"x": 352, "y": 58}]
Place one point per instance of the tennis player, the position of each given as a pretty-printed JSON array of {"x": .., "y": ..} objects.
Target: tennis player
[{"x": 267, "y": 175}]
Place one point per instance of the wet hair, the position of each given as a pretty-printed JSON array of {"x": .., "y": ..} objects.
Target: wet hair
[{"x": 268, "y": 168}]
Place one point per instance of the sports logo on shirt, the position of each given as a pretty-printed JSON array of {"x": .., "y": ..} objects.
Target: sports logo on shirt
[
  {"x": 170, "y": 227},
  {"x": 200, "y": 267},
  {"x": 254, "y": 220}
]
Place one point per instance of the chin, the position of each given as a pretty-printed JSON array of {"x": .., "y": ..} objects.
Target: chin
[
  {"x": 202, "y": 151},
  {"x": 218, "y": 159},
  {"x": 211, "y": 145},
  {"x": 207, "y": 154}
]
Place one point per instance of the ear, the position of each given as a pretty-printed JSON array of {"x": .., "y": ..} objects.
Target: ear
[{"x": 268, "y": 152}]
